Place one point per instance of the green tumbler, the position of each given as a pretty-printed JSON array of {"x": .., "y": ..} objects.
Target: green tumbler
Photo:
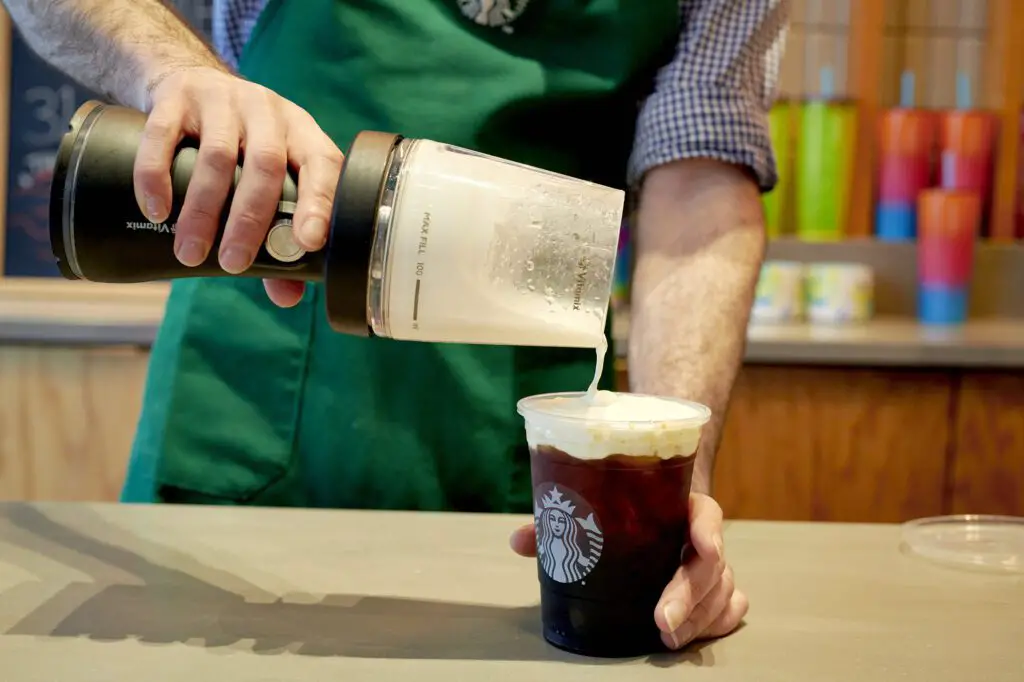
[
  {"x": 777, "y": 202},
  {"x": 824, "y": 168}
]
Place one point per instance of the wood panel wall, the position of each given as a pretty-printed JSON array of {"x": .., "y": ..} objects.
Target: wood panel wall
[
  {"x": 818, "y": 37},
  {"x": 936, "y": 39},
  {"x": 933, "y": 38}
]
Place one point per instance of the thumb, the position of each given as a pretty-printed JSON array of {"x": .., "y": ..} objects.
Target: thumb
[
  {"x": 706, "y": 527},
  {"x": 524, "y": 541}
]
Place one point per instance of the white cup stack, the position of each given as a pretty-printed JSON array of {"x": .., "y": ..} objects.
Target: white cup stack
[{"x": 820, "y": 293}]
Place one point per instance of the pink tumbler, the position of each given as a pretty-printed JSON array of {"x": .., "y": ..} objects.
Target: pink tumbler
[
  {"x": 967, "y": 141},
  {"x": 948, "y": 224},
  {"x": 906, "y": 139}
]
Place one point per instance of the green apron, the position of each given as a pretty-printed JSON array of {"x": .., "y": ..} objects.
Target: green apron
[{"x": 247, "y": 403}]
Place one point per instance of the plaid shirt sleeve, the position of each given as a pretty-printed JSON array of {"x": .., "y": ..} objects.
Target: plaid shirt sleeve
[
  {"x": 231, "y": 23},
  {"x": 712, "y": 99}
]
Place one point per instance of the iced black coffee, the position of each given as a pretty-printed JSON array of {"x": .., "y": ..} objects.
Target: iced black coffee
[{"x": 611, "y": 482}]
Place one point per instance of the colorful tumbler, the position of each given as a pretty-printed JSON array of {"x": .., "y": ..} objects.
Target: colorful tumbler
[
  {"x": 966, "y": 144},
  {"x": 948, "y": 226},
  {"x": 824, "y": 167},
  {"x": 906, "y": 143},
  {"x": 777, "y": 202},
  {"x": 623, "y": 267}
]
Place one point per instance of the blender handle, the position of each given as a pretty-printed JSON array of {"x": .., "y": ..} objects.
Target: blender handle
[
  {"x": 279, "y": 256},
  {"x": 98, "y": 232}
]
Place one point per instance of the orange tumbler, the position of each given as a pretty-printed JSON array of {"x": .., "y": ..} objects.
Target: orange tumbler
[
  {"x": 907, "y": 133},
  {"x": 968, "y": 133},
  {"x": 967, "y": 145}
]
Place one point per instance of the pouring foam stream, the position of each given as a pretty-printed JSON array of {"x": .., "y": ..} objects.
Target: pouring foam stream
[{"x": 601, "y": 350}]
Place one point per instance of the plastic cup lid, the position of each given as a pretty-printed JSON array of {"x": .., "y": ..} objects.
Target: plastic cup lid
[{"x": 979, "y": 541}]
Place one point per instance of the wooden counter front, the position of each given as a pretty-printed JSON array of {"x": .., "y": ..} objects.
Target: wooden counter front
[
  {"x": 837, "y": 445},
  {"x": 824, "y": 425},
  {"x": 870, "y": 445},
  {"x": 67, "y": 420},
  {"x": 119, "y": 592},
  {"x": 800, "y": 443}
]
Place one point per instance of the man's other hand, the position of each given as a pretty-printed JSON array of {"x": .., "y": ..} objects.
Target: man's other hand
[{"x": 701, "y": 600}]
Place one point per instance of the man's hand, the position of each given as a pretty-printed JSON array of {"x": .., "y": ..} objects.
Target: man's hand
[
  {"x": 701, "y": 601},
  {"x": 230, "y": 115}
]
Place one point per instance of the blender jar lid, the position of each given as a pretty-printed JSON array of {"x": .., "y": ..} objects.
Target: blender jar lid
[
  {"x": 980, "y": 541},
  {"x": 350, "y": 239}
]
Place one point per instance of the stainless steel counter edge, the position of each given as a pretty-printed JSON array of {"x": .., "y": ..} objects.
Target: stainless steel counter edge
[{"x": 75, "y": 314}]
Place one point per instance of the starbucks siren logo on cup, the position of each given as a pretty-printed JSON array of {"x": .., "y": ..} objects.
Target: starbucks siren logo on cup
[{"x": 569, "y": 537}]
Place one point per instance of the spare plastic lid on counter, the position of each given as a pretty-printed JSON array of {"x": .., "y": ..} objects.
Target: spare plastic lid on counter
[{"x": 985, "y": 542}]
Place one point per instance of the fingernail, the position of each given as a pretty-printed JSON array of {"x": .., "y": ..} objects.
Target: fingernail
[
  {"x": 719, "y": 544},
  {"x": 191, "y": 252},
  {"x": 674, "y": 614},
  {"x": 684, "y": 635},
  {"x": 313, "y": 232},
  {"x": 235, "y": 259},
  {"x": 154, "y": 209}
]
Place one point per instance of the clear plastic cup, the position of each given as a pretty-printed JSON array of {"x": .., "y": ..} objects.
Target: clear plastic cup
[{"x": 611, "y": 482}]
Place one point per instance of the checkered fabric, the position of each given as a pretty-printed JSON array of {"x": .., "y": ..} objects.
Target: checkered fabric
[
  {"x": 198, "y": 13},
  {"x": 710, "y": 101}
]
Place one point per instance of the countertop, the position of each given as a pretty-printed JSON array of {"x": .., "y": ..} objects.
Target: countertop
[
  {"x": 59, "y": 312},
  {"x": 78, "y": 313},
  {"x": 95, "y": 593}
]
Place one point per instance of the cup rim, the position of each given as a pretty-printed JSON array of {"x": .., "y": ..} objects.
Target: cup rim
[{"x": 523, "y": 407}]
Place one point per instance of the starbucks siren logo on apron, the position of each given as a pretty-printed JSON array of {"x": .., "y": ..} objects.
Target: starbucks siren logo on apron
[
  {"x": 569, "y": 538},
  {"x": 494, "y": 13}
]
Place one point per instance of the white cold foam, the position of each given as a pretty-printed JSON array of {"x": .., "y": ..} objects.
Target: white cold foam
[
  {"x": 613, "y": 423},
  {"x": 487, "y": 251}
]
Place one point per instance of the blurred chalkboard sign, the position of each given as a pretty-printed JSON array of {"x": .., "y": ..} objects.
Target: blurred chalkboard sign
[{"x": 42, "y": 102}]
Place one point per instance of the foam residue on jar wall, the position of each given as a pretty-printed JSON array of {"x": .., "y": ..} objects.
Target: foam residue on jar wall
[{"x": 512, "y": 255}]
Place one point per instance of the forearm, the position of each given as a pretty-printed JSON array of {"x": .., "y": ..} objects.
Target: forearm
[
  {"x": 121, "y": 48},
  {"x": 700, "y": 242}
]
